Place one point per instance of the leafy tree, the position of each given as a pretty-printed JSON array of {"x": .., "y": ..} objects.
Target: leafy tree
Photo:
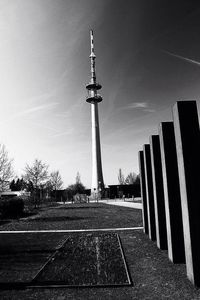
[
  {"x": 137, "y": 180},
  {"x": 121, "y": 177},
  {"x": 12, "y": 185},
  {"x": 77, "y": 188},
  {"x": 18, "y": 185},
  {"x": 130, "y": 179},
  {"x": 6, "y": 169}
]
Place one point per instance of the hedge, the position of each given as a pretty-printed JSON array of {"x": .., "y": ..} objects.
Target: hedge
[{"x": 11, "y": 207}]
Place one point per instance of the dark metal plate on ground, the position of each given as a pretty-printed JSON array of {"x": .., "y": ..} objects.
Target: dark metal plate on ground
[
  {"x": 55, "y": 259},
  {"x": 87, "y": 260}
]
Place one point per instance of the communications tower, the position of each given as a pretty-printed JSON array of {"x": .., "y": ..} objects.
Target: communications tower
[{"x": 94, "y": 98}]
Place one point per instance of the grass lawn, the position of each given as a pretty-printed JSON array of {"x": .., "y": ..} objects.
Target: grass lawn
[
  {"x": 153, "y": 275},
  {"x": 78, "y": 216}
]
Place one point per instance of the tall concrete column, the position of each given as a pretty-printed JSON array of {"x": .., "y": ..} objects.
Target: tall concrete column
[
  {"x": 94, "y": 98},
  {"x": 149, "y": 192},
  {"x": 97, "y": 175},
  {"x": 176, "y": 251},
  {"x": 143, "y": 192},
  {"x": 158, "y": 191},
  {"x": 187, "y": 135}
]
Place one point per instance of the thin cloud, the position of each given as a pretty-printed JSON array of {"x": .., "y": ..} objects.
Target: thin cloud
[
  {"x": 139, "y": 105},
  {"x": 142, "y": 106},
  {"x": 36, "y": 108},
  {"x": 31, "y": 110},
  {"x": 182, "y": 58},
  {"x": 40, "y": 107},
  {"x": 136, "y": 105}
]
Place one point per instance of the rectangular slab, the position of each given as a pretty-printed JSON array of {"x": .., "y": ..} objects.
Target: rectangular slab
[
  {"x": 158, "y": 191},
  {"x": 143, "y": 191},
  {"x": 187, "y": 135},
  {"x": 87, "y": 260},
  {"x": 149, "y": 192},
  {"x": 176, "y": 251}
]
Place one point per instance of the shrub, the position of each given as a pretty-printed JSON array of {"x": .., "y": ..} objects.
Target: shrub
[{"x": 11, "y": 207}]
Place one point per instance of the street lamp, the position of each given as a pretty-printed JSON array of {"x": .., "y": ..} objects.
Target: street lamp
[{"x": 99, "y": 192}]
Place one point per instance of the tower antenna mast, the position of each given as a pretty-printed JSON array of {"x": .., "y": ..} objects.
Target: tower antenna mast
[{"x": 94, "y": 98}]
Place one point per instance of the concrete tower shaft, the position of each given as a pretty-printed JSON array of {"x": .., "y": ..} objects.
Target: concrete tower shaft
[{"x": 94, "y": 98}]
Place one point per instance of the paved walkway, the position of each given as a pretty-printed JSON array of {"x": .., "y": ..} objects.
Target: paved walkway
[
  {"x": 126, "y": 204},
  {"x": 118, "y": 202},
  {"x": 123, "y": 203}
]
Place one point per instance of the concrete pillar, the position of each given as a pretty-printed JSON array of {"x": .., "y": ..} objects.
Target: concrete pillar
[
  {"x": 97, "y": 174},
  {"x": 158, "y": 191},
  {"x": 187, "y": 135},
  {"x": 149, "y": 192},
  {"x": 176, "y": 251},
  {"x": 143, "y": 191}
]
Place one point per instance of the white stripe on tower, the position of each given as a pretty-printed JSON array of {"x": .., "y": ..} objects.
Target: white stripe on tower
[
  {"x": 92, "y": 41},
  {"x": 92, "y": 57}
]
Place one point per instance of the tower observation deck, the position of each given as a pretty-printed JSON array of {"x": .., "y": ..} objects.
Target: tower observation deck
[{"x": 94, "y": 98}]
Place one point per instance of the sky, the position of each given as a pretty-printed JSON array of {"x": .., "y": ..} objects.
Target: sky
[{"x": 147, "y": 58}]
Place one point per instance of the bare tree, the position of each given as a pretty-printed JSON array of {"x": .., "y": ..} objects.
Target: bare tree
[
  {"x": 121, "y": 177},
  {"x": 6, "y": 170},
  {"x": 56, "y": 181},
  {"x": 37, "y": 174}
]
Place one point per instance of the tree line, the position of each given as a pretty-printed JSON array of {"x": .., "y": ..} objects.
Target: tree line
[
  {"x": 131, "y": 178},
  {"x": 39, "y": 181},
  {"x": 35, "y": 179}
]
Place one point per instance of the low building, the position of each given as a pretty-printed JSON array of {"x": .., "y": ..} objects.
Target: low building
[
  {"x": 127, "y": 190},
  {"x": 118, "y": 191},
  {"x": 10, "y": 194}
]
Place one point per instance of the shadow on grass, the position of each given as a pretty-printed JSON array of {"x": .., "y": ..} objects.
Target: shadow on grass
[
  {"x": 28, "y": 214},
  {"x": 56, "y": 219},
  {"x": 80, "y": 207},
  {"x": 2, "y": 222},
  {"x": 10, "y": 218},
  {"x": 8, "y": 250}
]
